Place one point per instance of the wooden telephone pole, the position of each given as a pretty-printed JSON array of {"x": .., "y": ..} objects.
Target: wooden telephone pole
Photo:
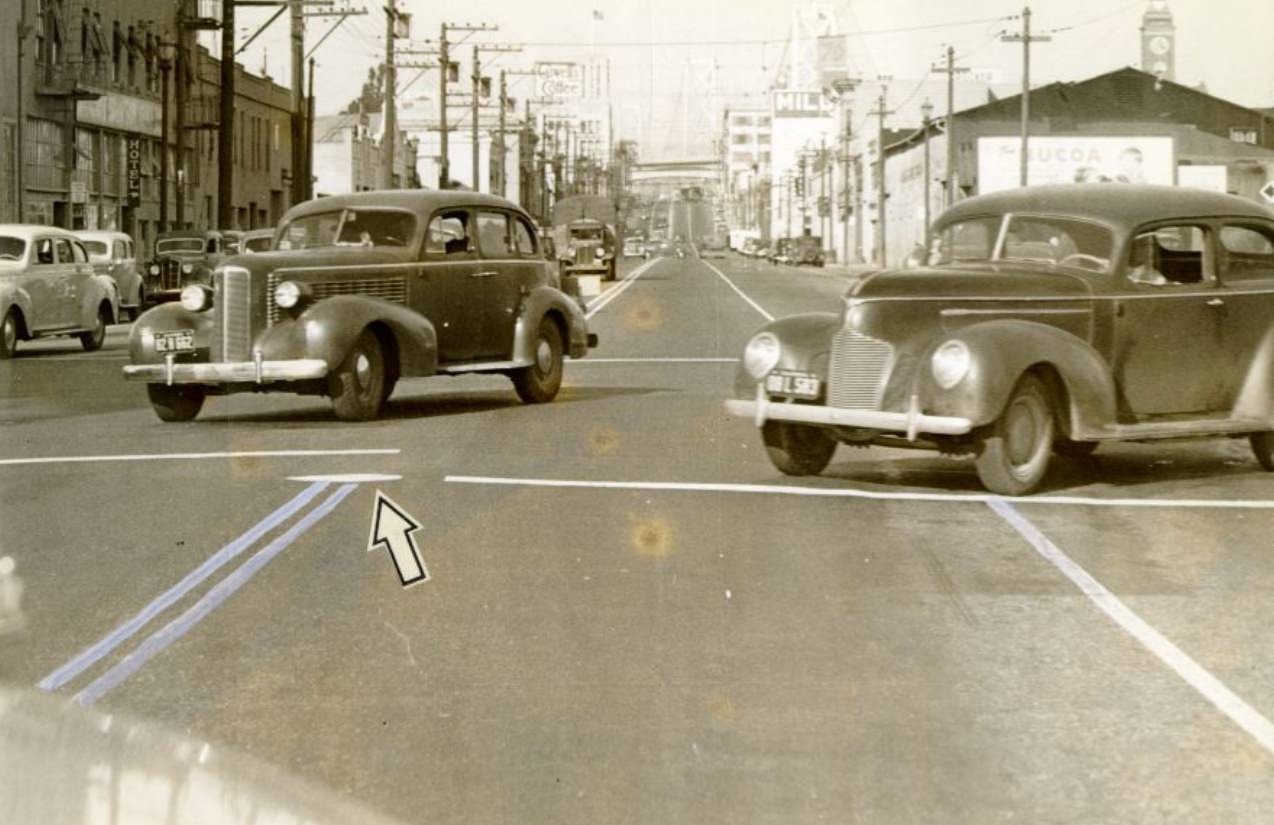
[{"x": 1026, "y": 39}]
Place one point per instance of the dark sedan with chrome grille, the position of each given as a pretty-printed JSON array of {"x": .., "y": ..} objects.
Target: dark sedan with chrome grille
[
  {"x": 1048, "y": 320},
  {"x": 359, "y": 291}
]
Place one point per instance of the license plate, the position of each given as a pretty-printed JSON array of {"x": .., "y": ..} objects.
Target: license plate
[
  {"x": 183, "y": 340},
  {"x": 795, "y": 384}
]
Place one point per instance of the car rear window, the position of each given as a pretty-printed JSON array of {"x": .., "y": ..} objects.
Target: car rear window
[
  {"x": 95, "y": 247},
  {"x": 12, "y": 249}
]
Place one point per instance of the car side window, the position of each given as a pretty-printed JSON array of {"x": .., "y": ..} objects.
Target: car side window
[
  {"x": 44, "y": 251},
  {"x": 448, "y": 234},
  {"x": 1248, "y": 253},
  {"x": 493, "y": 234},
  {"x": 64, "y": 253},
  {"x": 523, "y": 239},
  {"x": 1170, "y": 256}
]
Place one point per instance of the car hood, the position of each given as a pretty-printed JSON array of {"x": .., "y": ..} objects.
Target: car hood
[
  {"x": 952, "y": 283},
  {"x": 62, "y": 764},
  {"x": 319, "y": 258}
]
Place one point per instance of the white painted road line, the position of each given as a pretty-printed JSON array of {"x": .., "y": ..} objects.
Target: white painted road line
[
  {"x": 877, "y": 495},
  {"x": 767, "y": 316},
  {"x": 83, "y": 459},
  {"x": 601, "y": 301},
  {"x": 1211, "y": 688},
  {"x": 654, "y": 361}
]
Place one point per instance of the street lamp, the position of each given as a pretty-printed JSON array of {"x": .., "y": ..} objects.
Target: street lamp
[
  {"x": 926, "y": 112},
  {"x": 165, "y": 65}
]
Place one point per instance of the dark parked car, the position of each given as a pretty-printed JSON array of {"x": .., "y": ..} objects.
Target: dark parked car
[
  {"x": 184, "y": 257},
  {"x": 360, "y": 290},
  {"x": 807, "y": 250},
  {"x": 1049, "y": 319}
]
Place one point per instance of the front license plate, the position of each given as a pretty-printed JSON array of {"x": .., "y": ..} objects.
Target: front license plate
[
  {"x": 183, "y": 340},
  {"x": 795, "y": 384}
]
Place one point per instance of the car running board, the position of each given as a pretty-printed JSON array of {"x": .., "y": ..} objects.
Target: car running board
[{"x": 1194, "y": 428}]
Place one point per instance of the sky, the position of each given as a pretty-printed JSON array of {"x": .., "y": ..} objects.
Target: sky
[{"x": 653, "y": 44}]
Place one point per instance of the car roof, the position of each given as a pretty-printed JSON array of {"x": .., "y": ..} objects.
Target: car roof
[
  {"x": 102, "y": 235},
  {"x": 416, "y": 200},
  {"x": 27, "y": 231},
  {"x": 1118, "y": 205},
  {"x": 257, "y": 233}
]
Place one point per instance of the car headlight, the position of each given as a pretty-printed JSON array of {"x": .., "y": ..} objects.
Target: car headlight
[
  {"x": 154, "y": 269},
  {"x": 950, "y": 363},
  {"x": 290, "y": 293},
  {"x": 599, "y": 253},
  {"x": 761, "y": 354},
  {"x": 186, "y": 269},
  {"x": 196, "y": 298}
]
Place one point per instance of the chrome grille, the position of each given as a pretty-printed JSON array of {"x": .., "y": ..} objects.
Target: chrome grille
[
  {"x": 392, "y": 289},
  {"x": 858, "y": 371},
  {"x": 170, "y": 273},
  {"x": 233, "y": 300}
]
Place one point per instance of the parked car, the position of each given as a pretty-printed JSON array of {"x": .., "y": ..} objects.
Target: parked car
[
  {"x": 1050, "y": 319},
  {"x": 360, "y": 290},
  {"x": 113, "y": 254},
  {"x": 807, "y": 250},
  {"x": 183, "y": 257},
  {"x": 780, "y": 252},
  {"x": 48, "y": 287},
  {"x": 256, "y": 240},
  {"x": 635, "y": 248}
]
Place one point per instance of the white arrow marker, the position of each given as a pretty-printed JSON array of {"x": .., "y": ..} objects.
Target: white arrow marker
[{"x": 392, "y": 528}]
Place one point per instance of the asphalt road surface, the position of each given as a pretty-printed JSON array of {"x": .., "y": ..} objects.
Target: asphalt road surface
[{"x": 631, "y": 617}]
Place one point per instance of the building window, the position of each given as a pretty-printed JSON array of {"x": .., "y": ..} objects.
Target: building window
[
  {"x": 742, "y": 120},
  {"x": 763, "y": 122}
]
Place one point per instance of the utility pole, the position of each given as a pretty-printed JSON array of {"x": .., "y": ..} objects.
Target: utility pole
[
  {"x": 477, "y": 84},
  {"x": 504, "y": 92},
  {"x": 21, "y": 194},
  {"x": 225, "y": 121},
  {"x": 880, "y": 112},
  {"x": 951, "y": 189},
  {"x": 444, "y": 162},
  {"x": 845, "y": 88},
  {"x": 297, "y": 29},
  {"x": 308, "y": 168},
  {"x": 1025, "y": 38},
  {"x": 389, "y": 127}
]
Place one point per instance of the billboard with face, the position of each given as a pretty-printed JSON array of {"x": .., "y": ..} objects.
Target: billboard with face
[{"x": 1075, "y": 159}]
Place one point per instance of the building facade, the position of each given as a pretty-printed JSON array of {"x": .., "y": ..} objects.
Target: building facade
[{"x": 349, "y": 155}]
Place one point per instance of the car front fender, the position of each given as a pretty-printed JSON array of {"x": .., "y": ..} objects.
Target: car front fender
[
  {"x": 166, "y": 317},
  {"x": 1001, "y": 352},
  {"x": 542, "y": 301},
  {"x": 805, "y": 346},
  {"x": 328, "y": 328}
]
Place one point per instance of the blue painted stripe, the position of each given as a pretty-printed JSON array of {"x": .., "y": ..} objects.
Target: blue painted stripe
[
  {"x": 221, "y": 591},
  {"x": 91, "y": 655}
]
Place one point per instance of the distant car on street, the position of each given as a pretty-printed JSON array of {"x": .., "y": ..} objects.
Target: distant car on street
[
  {"x": 183, "y": 257},
  {"x": 780, "y": 252},
  {"x": 114, "y": 255},
  {"x": 1048, "y": 319},
  {"x": 807, "y": 250},
  {"x": 48, "y": 287},
  {"x": 256, "y": 240},
  {"x": 363, "y": 289},
  {"x": 634, "y": 248}
]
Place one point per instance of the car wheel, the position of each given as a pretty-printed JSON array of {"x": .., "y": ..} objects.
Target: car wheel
[
  {"x": 181, "y": 403},
  {"x": 539, "y": 383},
  {"x": 610, "y": 271},
  {"x": 357, "y": 386},
  {"x": 1263, "y": 447},
  {"x": 1015, "y": 452},
  {"x": 93, "y": 339},
  {"x": 1075, "y": 449},
  {"x": 8, "y": 335},
  {"x": 797, "y": 449}
]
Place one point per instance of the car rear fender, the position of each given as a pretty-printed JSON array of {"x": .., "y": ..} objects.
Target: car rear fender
[
  {"x": 1001, "y": 352},
  {"x": 805, "y": 346},
  {"x": 12, "y": 296},
  {"x": 546, "y": 301},
  {"x": 101, "y": 289},
  {"x": 328, "y": 328}
]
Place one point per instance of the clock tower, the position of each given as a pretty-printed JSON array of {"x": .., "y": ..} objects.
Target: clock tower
[{"x": 1158, "y": 41}]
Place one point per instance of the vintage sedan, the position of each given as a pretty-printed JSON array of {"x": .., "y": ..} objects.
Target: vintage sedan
[
  {"x": 360, "y": 290},
  {"x": 48, "y": 287},
  {"x": 183, "y": 257},
  {"x": 114, "y": 255},
  {"x": 1048, "y": 320}
]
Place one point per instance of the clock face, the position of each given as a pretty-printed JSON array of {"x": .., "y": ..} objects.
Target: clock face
[{"x": 1159, "y": 44}]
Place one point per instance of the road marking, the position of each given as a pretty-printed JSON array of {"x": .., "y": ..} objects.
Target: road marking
[
  {"x": 222, "y": 590},
  {"x": 392, "y": 528},
  {"x": 605, "y": 298},
  {"x": 80, "y": 459},
  {"x": 348, "y": 478},
  {"x": 88, "y": 657},
  {"x": 842, "y": 492},
  {"x": 654, "y": 361},
  {"x": 767, "y": 316},
  {"x": 1211, "y": 688}
]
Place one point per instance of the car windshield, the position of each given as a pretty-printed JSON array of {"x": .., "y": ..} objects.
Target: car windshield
[
  {"x": 1038, "y": 239},
  {"x": 349, "y": 227},
  {"x": 11, "y": 248},
  {"x": 171, "y": 245},
  {"x": 586, "y": 234},
  {"x": 258, "y": 244}
]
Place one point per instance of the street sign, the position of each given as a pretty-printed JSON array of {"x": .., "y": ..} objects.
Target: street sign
[
  {"x": 1267, "y": 192},
  {"x": 134, "y": 171},
  {"x": 79, "y": 191},
  {"x": 392, "y": 529}
]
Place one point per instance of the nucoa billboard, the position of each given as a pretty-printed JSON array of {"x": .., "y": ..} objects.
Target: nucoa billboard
[{"x": 1076, "y": 159}]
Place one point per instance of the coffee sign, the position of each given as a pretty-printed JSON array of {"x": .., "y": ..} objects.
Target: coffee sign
[{"x": 133, "y": 169}]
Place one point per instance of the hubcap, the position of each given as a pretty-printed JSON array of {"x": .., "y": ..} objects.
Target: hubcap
[
  {"x": 544, "y": 356},
  {"x": 1023, "y": 432},
  {"x": 363, "y": 369},
  {"x": 10, "y": 333}
]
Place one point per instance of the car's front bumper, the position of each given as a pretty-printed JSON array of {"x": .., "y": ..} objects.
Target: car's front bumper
[
  {"x": 912, "y": 423},
  {"x": 228, "y": 372}
]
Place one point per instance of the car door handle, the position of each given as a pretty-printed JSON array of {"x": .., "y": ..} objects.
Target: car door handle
[
  {"x": 481, "y": 274},
  {"x": 1216, "y": 302}
]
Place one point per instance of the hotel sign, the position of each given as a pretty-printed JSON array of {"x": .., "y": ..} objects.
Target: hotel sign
[{"x": 133, "y": 170}]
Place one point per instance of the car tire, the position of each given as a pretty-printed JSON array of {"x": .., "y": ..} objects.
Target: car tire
[
  {"x": 539, "y": 383},
  {"x": 1263, "y": 447},
  {"x": 357, "y": 385},
  {"x": 610, "y": 270},
  {"x": 180, "y": 403},
  {"x": 95, "y": 337},
  {"x": 1075, "y": 449},
  {"x": 797, "y": 449},
  {"x": 9, "y": 329},
  {"x": 1014, "y": 454}
]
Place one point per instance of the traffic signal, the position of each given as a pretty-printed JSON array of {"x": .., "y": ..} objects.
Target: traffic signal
[
  {"x": 800, "y": 187},
  {"x": 453, "y": 71},
  {"x": 484, "y": 87},
  {"x": 824, "y": 208}
]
